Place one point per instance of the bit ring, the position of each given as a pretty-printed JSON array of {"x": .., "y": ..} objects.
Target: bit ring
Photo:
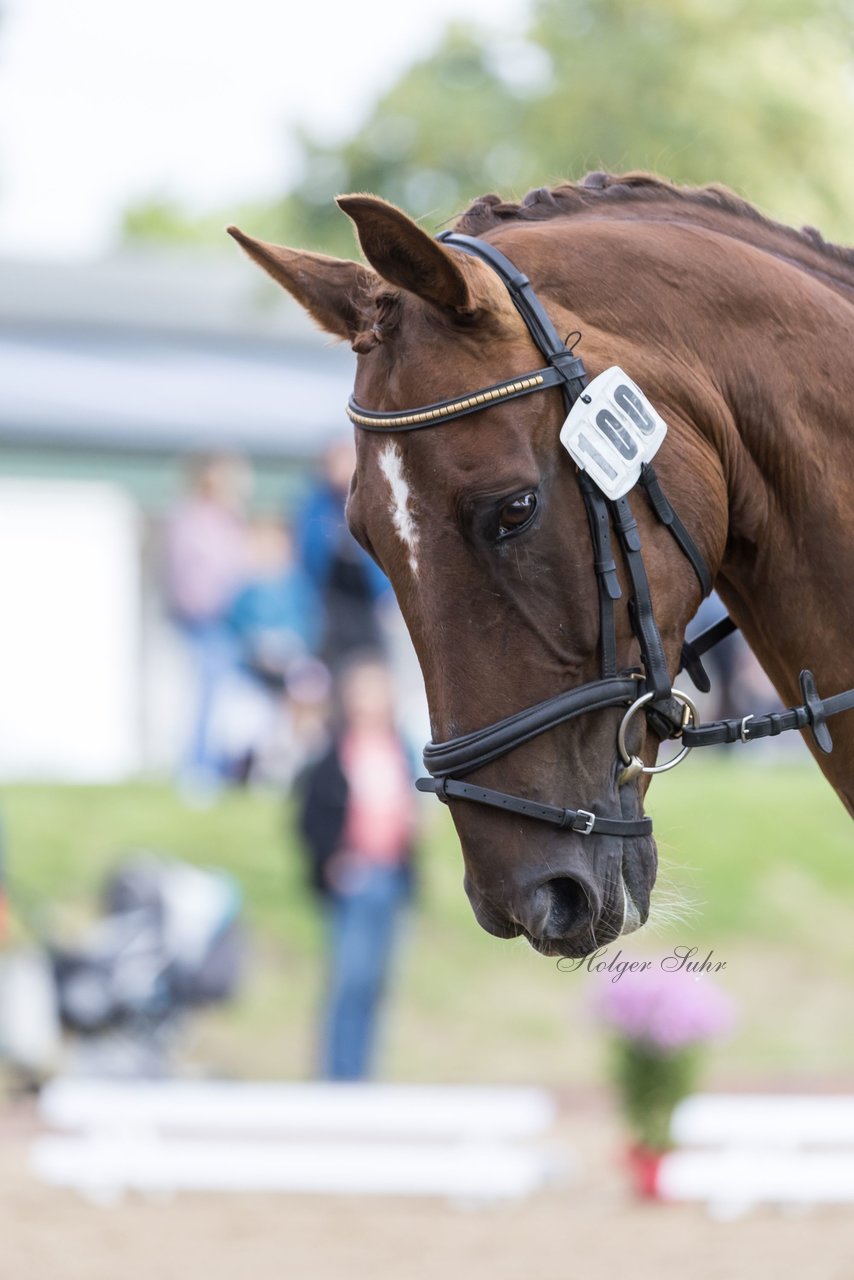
[{"x": 690, "y": 715}]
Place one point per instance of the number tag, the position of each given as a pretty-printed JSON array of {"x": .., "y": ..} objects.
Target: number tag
[{"x": 611, "y": 429}]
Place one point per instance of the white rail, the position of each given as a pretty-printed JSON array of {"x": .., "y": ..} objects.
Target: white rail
[
  {"x": 776, "y": 1120},
  {"x": 467, "y": 1143},
  {"x": 398, "y": 1110},
  {"x": 739, "y": 1150}
]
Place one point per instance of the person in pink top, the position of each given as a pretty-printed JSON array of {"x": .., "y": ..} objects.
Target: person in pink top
[
  {"x": 205, "y": 567},
  {"x": 356, "y": 812}
]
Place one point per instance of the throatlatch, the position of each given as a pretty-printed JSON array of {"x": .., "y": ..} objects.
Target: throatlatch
[{"x": 613, "y": 447}]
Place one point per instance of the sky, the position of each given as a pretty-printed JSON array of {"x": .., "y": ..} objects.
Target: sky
[{"x": 107, "y": 102}]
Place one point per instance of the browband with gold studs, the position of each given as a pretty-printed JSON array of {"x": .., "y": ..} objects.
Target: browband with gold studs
[{"x": 430, "y": 415}]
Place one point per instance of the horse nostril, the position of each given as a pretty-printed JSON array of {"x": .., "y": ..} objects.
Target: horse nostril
[{"x": 569, "y": 907}]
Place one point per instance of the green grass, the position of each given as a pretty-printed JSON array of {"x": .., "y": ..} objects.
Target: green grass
[
  {"x": 739, "y": 831},
  {"x": 763, "y": 859}
]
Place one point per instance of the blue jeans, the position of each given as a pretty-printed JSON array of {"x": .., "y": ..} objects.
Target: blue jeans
[
  {"x": 214, "y": 655},
  {"x": 363, "y": 924}
]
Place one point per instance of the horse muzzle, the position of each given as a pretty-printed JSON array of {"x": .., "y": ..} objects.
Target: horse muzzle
[{"x": 593, "y": 894}]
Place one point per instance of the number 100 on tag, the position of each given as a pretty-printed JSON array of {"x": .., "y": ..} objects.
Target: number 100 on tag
[{"x": 611, "y": 430}]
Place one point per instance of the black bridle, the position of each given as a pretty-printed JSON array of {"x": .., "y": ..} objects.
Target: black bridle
[{"x": 670, "y": 713}]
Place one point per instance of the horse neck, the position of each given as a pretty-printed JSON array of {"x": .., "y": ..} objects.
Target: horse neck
[
  {"x": 752, "y": 346},
  {"x": 785, "y": 370}
]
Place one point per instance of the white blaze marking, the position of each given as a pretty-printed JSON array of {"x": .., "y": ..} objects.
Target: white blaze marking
[{"x": 391, "y": 465}]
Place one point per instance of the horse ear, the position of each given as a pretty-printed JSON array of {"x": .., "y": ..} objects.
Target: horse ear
[
  {"x": 330, "y": 289},
  {"x": 405, "y": 255}
]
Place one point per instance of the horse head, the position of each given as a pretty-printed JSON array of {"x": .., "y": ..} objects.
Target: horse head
[{"x": 481, "y": 526}]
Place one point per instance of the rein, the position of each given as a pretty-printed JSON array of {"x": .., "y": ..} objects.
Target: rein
[{"x": 670, "y": 712}]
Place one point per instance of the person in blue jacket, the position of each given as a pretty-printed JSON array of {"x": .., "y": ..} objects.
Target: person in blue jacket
[
  {"x": 350, "y": 585},
  {"x": 277, "y": 616}
]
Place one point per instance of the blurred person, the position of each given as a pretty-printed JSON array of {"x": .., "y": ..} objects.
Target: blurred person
[
  {"x": 357, "y": 813},
  {"x": 277, "y": 622},
  {"x": 302, "y": 731},
  {"x": 205, "y": 568},
  {"x": 276, "y": 616},
  {"x": 349, "y": 583}
]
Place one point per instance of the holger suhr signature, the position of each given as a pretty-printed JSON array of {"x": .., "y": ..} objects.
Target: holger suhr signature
[{"x": 680, "y": 959}]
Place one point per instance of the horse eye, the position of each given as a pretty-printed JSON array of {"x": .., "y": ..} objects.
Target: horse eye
[{"x": 517, "y": 513}]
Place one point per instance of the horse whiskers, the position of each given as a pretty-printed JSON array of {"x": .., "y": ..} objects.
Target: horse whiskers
[
  {"x": 662, "y": 923},
  {"x": 671, "y": 906}
]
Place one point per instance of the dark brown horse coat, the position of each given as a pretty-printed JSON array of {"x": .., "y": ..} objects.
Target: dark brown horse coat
[{"x": 741, "y": 332}]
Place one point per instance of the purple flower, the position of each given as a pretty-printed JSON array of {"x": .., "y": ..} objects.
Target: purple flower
[{"x": 667, "y": 1011}]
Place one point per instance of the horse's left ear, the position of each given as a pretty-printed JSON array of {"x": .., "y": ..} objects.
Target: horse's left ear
[{"x": 406, "y": 256}]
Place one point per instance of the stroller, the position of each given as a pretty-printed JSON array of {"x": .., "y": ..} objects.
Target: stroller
[{"x": 168, "y": 941}]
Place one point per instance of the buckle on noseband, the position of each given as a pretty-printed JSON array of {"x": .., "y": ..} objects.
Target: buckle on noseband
[
  {"x": 634, "y": 764},
  {"x": 589, "y": 822}
]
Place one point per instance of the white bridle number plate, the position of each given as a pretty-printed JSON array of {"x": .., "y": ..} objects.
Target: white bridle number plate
[{"x": 611, "y": 430}]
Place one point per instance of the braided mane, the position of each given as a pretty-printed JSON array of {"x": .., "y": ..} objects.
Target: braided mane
[{"x": 606, "y": 193}]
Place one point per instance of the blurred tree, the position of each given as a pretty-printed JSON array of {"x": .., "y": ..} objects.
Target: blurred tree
[
  {"x": 758, "y": 96},
  {"x": 161, "y": 219},
  {"x": 447, "y": 131}
]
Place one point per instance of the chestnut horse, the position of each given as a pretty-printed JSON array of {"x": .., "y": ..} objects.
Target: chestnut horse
[{"x": 741, "y": 333}]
